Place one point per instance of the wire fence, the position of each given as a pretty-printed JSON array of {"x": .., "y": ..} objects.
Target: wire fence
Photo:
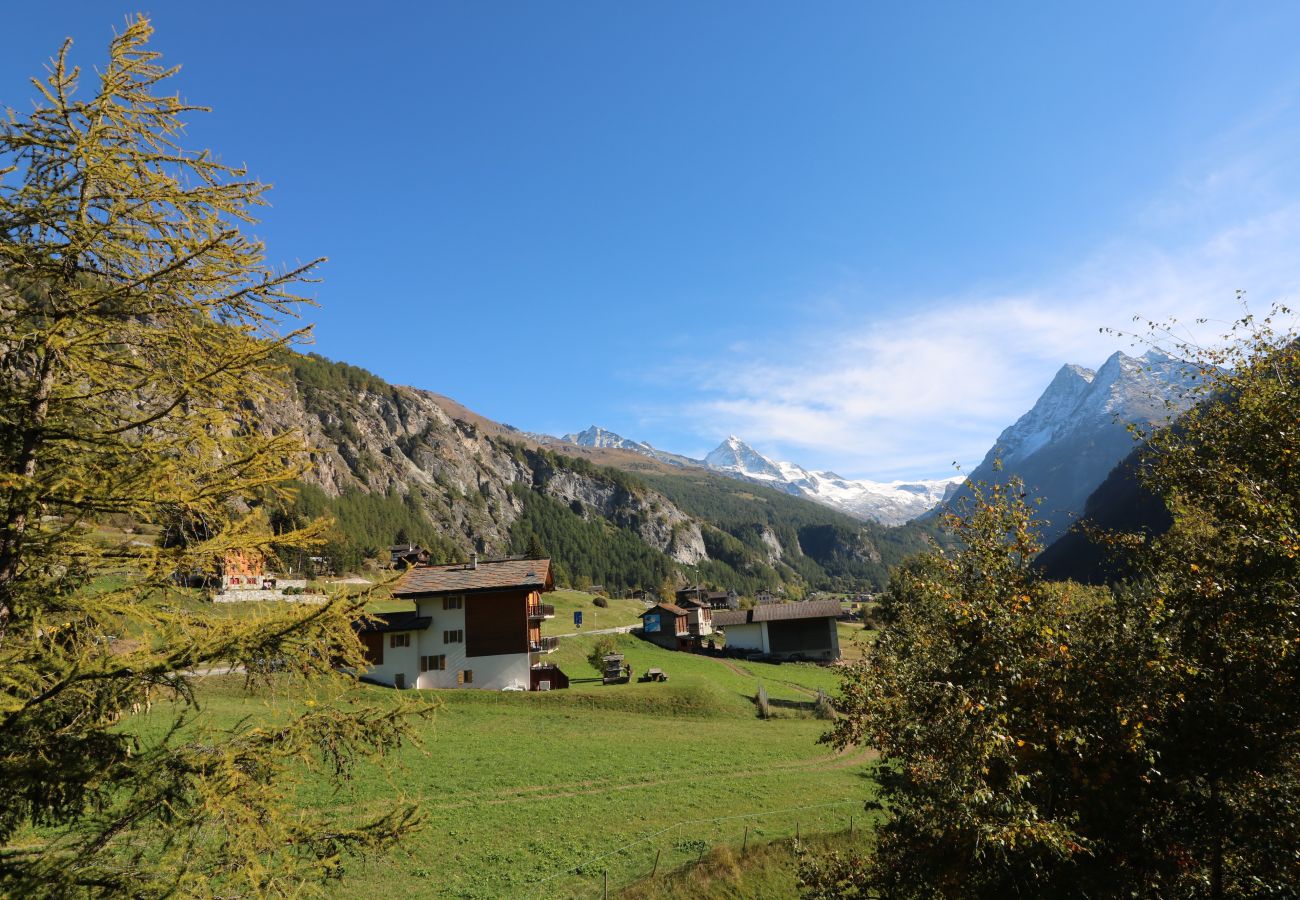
[{"x": 688, "y": 841}]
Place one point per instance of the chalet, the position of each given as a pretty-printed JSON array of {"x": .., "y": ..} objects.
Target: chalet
[
  {"x": 246, "y": 576},
  {"x": 475, "y": 624},
  {"x": 694, "y": 592},
  {"x": 784, "y": 630},
  {"x": 699, "y": 617},
  {"x": 766, "y": 596},
  {"x": 244, "y": 571},
  {"x": 665, "y": 624},
  {"x": 677, "y": 627},
  {"x": 407, "y": 555},
  {"x": 722, "y": 600},
  {"x": 714, "y": 599}
]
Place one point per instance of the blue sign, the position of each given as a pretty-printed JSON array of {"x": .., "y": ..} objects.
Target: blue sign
[{"x": 577, "y": 618}]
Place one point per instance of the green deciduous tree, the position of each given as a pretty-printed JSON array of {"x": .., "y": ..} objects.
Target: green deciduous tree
[
  {"x": 1048, "y": 740},
  {"x": 139, "y": 333},
  {"x": 604, "y": 646}
]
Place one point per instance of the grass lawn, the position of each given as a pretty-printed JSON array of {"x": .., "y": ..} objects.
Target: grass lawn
[
  {"x": 854, "y": 640},
  {"x": 769, "y": 870},
  {"x": 619, "y": 613},
  {"x": 519, "y": 789}
]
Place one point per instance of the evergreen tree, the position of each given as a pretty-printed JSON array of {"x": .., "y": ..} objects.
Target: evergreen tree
[{"x": 138, "y": 328}]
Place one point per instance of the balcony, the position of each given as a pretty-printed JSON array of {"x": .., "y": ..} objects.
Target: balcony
[
  {"x": 543, "y": 645},
  {"x": 541, "y": 611}
]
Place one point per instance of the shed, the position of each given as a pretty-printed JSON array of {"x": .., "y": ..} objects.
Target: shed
[{"x": 784, "y": 630}]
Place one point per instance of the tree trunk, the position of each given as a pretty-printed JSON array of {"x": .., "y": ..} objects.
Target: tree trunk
[{"x": 18, "y": 513}]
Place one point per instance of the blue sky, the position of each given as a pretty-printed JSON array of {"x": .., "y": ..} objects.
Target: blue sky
[{"x": 863, "y": 237}]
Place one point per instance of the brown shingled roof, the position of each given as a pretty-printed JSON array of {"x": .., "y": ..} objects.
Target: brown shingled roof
[
  {"x": 675, "y": 610},
  {"x": 491, "y": 575},
  {"x": 771, "y": 612}
]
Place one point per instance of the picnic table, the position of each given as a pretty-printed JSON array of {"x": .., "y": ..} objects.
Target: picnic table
[{"x": 655, "y": 675}]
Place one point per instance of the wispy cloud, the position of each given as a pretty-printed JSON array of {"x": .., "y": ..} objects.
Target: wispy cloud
[{"x": 908, "y": 394}]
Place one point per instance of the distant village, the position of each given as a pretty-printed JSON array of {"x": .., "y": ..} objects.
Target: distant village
[{"x": 477, "y": 624}]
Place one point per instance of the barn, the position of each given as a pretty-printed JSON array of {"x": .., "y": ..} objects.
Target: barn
[{"x": 784, "y": 630}]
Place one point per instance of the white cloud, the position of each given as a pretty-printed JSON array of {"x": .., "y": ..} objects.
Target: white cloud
[{"x": 907, "y": 395}]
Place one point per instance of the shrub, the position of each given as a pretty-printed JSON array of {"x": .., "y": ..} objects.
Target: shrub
[{"x": 603, "y": 647}]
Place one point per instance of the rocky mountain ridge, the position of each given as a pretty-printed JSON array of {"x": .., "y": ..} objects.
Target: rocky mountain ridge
[
  {"x": 482, "y": 486},
  {"x": 886, "y": 503},
  {"x": 1078, "y": 430}
]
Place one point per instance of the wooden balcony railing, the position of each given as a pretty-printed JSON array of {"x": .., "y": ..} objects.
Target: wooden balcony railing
[{"x": 541, "y": 611}]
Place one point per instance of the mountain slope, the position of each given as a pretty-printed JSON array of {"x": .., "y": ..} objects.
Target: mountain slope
[
  {"x": 888, "y": 503},
  {"x": 1077, "y": 431},
  {"x": 397, "y": 458},
  {"x": 1119, "y": 504}
]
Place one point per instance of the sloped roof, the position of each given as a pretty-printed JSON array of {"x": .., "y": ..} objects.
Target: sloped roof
[
  {"x": 464, "y": 578},
  {"x": 667, "y": 607},
  {"x": 406, "y": 620},
  {"x": 772, "y": 612}
]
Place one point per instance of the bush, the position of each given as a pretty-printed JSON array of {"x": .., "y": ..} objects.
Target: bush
[
  {"x": 603, "y": 647},
  {"x": 601, "y": 602}
]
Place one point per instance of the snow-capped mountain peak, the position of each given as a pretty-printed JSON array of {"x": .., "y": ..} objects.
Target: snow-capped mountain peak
[
  {"x": 890, "y": 503},
  {"x": 1077, "y": 430},
  {"x": 595, "y": 436},
  {"x": 734, "y": 455}
]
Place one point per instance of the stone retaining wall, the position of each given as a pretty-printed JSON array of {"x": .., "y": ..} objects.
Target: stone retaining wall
[{"x": 259, "y": 595}]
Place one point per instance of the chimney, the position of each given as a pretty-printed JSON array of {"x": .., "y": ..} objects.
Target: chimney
[{"x": 473, "y": 560}]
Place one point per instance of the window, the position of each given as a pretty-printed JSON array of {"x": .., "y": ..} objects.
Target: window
[
  {"x": 433, "y": 663},
  {"x": 452, "y": 602},
  {"x": 466, "y": 676},
  {"x": 399, "y": 640},
  {"x": 454, "y": 636}
]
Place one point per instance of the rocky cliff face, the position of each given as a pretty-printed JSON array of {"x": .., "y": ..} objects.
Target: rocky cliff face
[{"x": 378, "y": 438}]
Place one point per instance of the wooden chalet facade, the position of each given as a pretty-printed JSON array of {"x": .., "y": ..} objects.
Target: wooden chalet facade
[
  {"x": 475, "y": 624},
  {"x": 407, "y": 555},
  {"x": 665, "y": 624},
  {"x": 677, "y": 627},
  {"x": 714, "y": 599}
]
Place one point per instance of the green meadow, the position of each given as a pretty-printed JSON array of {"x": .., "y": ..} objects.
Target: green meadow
[{"x": 541, "y": 795}]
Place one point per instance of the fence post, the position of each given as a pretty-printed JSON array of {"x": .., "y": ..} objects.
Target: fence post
[
  {"x": 656, "y": 868},
  {"x": 850, "y": 826},
  {"x": 607, "y": 884},
  {"x": 796, "y": 829},
  {"x": 744, "y": 844}
]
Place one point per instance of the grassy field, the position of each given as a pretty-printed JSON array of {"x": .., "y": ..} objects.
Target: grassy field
[
  {"x": 768, "y": 870},
  {"x": 618, "y": 614},
  {"x": 854, "y": 640},
  {"x": 520, "y": 790}
]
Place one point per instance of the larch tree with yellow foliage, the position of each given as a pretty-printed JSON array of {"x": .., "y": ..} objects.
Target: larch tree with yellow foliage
[{"x": 139, "y": 334}]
